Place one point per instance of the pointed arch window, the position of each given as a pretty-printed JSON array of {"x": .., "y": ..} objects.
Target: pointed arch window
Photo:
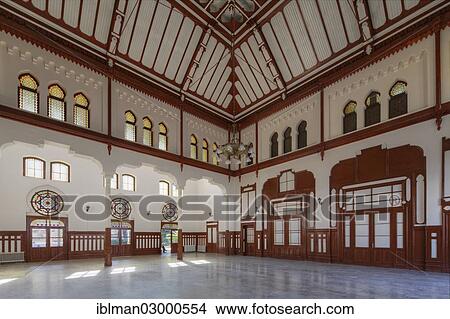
[
  {"x": 287, "y": 141},
  {"x": 398, "y": 99},
  {"x": 147, "y": 136},
  {"x": 28, "y": 93},
  {"x": 130, "y": 126},
  {"x": 193, "y": 146},
  {"x": 162, "y": 137},
  {"x": 372, "y": 113},
  {"x": 274, "y": 145},
  {"x": 205, "y": 151},
  {"x": 214, "y": 154},
  {"x": 302, "y": 135},
  {"x": 350, "y": 117},
  {"x": 56, "y": 103},
  {"x": 81, "y": 110}
]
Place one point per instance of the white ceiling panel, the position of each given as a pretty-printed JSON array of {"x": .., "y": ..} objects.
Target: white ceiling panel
[
  {"x": 189, "y": 53},
  {"x": 316, "y": 28},
  {"x": 218, "y": 73},
  {"x": 224, "y": 93},
  {"x": 168, "y": 41},
  {"x": 410, "y": 3},
  {"x": 127, "y": 26},
  {"x": 333, "y": 24},
  {"x": 276, "y": 51},
  {"x": 162, "y": 14},
  {"x": 71, "y": 12},
  {"x": 253, "y": 64},
  {"x": 377, "y": 13},
  {"x": 187, "y": 28},
  {"x": 227, "y": 101},
  {"x": 141, "y": 29},
  {"x": 55, "y": 8},
  {"x": 243, "y": 80},
  {"x": 211, "y": 68},
  {"x": 240, "y": 101},
  {"x": 249, "y": 73},
  {"x": 88, "y": 14},
  {"x": 394, "y": 8},
  {"x": 222, "y": 84},
  {"x": 40, "y": 4},
  {"x": 204, "y": 62},
  {"x": 261, "y": 62},
  {"x": 350, "y": 21},
  {"x": 104, "y": 20},
  {"x": 299, "y": 32},
  {"x": 242, "y": 92}
]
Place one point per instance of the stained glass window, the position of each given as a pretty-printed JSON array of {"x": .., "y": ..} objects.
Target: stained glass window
[
  {"x": 147, "y": 137},
  {"x": 398, "y": 88},
  {"x": 130, "y": 126},
  {"x": 56, "y": 103},
  {"x": 193, "y": 147},
  {"x": 162, "y": 137},
  {"x": 28, "y": 95},
  {"x": 81, "y": 110}
]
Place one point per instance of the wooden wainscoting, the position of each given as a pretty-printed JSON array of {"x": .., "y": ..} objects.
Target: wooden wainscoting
[
  {"x": 318, "y": 245},
  {"x": 194, "y": 242},
  {"x": 12, "y": 246},
  {"x": 89, "y": 244},
  {"x": 433, "y": 248},
  {"x": 147, "y": 243}
]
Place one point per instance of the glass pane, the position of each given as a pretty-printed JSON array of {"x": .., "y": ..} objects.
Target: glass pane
[
  {"x": 115, "y": 237},
  {"x": 56, "y": 242},
  {"x": 39, "y": 238},
  {"x": 362, "y": 231},
  {"x": 347, "y": 231},
  {"x": 400, "y": 230},
  {"x": 56, "y": 109},
  {"x": 126, "y": 236},
  {"x": 382, "y": 230}
]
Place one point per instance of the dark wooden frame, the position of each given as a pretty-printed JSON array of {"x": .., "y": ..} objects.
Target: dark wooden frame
[
  {"x": 287, "y": 140},
  {"x": 24, "y": 166},
  {"x": 68, "y": 170},
  {"x": 394, "y": 98},
  {"x": 302, "y": 135}
]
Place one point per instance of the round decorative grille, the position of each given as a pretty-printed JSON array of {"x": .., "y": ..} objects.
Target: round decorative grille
[
  {"x": 47, "y": 203},
  {"x": 120, "y": 208},
  {"x": 170, "y": 212}
]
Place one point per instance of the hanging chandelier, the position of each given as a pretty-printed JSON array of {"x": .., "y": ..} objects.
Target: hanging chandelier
[{"x": 234, "y": 151}]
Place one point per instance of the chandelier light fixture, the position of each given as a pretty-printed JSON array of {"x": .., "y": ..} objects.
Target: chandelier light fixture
[{"x": 234, "y": 151}]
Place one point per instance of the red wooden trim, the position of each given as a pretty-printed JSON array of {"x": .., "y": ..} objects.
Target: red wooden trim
[
  {"x": 437, "y": 56},
  {"x": 63, "y": 127}
]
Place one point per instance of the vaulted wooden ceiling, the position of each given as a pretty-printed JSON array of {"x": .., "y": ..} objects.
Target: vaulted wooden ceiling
[{"x": 186, "y": 46}]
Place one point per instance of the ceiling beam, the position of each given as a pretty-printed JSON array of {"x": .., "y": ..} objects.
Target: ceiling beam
[
  {"x": 195, "y": 61},
  {"x": 270, "y": 60},
  {"x": 362, "y": 14},
  {"x": 115, "y": 31}
]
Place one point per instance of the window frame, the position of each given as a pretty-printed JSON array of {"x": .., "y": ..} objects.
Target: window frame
[
  {"x": 84, "y": 107},
  {"x": 193, "y": 146},
  {"x": 133, "y": 123},
  {"x": 44, "y": 164},
  {"x": 163, "y": 135},
  {"x": 35, "y": 91},
  {"x": 117, "y": 181},
  {"x": 168, "y": 187},
  {"x": 205, "y": 150},
  {"x": 300, "y": 132},
  {"x": 60, "y": 163},
  {"x": 287, "y": 140},
  {"x": 273, "y": 142},
  {"x": 52, "y": 97},
  {"x": 134, "y": 182},
  {"x": 215, "y": 159},
  {"x": 149, "y": 131},
  {"x": 350, "y": 116},
  {"x": 369, "y": 106}
]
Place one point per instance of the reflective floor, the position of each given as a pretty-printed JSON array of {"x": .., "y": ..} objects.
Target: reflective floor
[{"x": 215, "y": 276}]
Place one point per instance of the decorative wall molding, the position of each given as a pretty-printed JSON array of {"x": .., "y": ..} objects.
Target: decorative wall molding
[
  {"x": 47, "y": 64},
  {"x": 204, "y": 127}
]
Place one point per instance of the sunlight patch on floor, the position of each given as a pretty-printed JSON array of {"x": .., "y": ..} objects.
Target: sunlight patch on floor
[{"x": 83, "y": 274}]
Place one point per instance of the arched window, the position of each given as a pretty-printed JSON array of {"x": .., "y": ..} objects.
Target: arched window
[
  {"x": 398, "y": 100},
  {"x": 81, "y": 110},
  {"x": 164, "y": 188},
  {"x": 147, "y": 137},
  {"x": 302, "y": 135},
  {"x": 250, "y": 152},
  {"x": 287, "y": 181},
  {"x": 205, "y": 152},
  {"x": 59, "y": 172},
  {"x": 56, "y": 103},
  {"x": 28, "y": 93},
  {"x": 214, "y": 154},
  {"x": 33, "y": 167},
  {"x": 350, "y": 117},
  {"x": 162, "y": 137},
  {"x": 372, "y": 113},
  {"x": 128, "y": 183},
  {"x": 274, "y": 145},
  {"x": 287, "y": 142},
  {"x": 115, "y": 181},
  {"x": 130, "y": 126},
  {"x": 193, "y": 147}
]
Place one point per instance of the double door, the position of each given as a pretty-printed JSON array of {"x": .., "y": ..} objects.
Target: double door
[
  {"x": 212, "y": 237},
  {"x": 47, "y": 239},
  {"x": 122, "y": 238},
  {"x": 375, "y": 237}
]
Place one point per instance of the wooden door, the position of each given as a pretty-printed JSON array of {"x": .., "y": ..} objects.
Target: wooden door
[
  {"x": 47, "y": 239},
  {"x": 174, "y": 241},
  {"x": 122, "y": 238},
  {"x": 212, "y": 237},
  {"x": 248, "y": 240}
]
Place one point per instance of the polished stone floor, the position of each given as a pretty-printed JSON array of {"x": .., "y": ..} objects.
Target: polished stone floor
[{"x": 215, "y": 276}]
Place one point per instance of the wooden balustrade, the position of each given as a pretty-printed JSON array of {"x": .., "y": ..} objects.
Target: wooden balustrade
[{"x": 86, "y": 244}]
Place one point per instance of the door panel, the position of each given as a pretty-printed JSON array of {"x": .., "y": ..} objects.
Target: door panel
[
  {"x": 46, "y": 239},
  {"x": 212, "y": 234},
  {"x": 248, "y": 240}
]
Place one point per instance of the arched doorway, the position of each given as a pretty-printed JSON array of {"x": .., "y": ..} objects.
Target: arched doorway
[{"x": 169, "y": 237}]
